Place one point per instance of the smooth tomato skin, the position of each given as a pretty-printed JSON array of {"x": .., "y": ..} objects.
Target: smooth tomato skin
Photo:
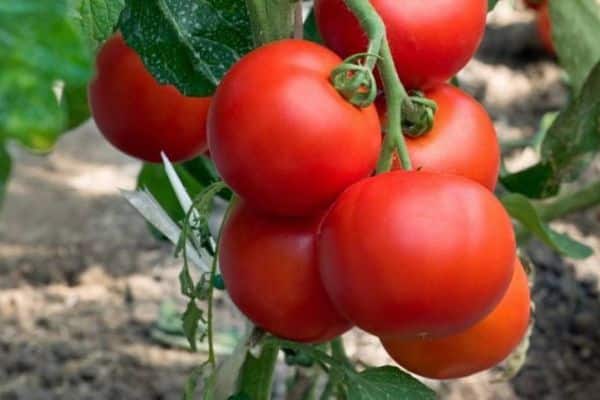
[
  {"x": 544, "y": 27},
  {"x": 463, "y": 139},
  {"x": 139, "y": 116},
  {"x": 430, "y": 40},
  {"x": 414, "y": 253},
  {"x": 281, "y": 135},
  {"x": 480, "y": 347},
  {"x": 269, "y": 265}
]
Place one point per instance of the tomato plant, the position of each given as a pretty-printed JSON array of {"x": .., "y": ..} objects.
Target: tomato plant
[
  {"x": 394, "y": 223},
  {"x": 139, "y": 116},
  {"x": 423, "y": 35},
  {"x": 279, "y": 152},
  {"x": 460, "y": 123},
  {"x": 314, "y": 213},
  {"x": 475, "y": 349}
]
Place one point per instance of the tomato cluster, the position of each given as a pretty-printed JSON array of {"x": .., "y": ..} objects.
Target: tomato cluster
[{"x": 314, "y": 242}]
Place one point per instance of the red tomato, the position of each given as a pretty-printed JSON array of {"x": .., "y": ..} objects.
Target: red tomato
[
  {"x": 480, "y": 347},
  {"x": 430, "y": 40},
  {"x": 463, "y": 140},
  {"x": 269, "y": 265},
  {"x": 544, "y": 27},
  {"x": 414, "y": 253},
  {"x": 281, "y": 135},
  {"x": 139, "y": 116}
]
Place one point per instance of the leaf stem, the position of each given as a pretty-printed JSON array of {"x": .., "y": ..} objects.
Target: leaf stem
[{"x": 569, "y": 203}]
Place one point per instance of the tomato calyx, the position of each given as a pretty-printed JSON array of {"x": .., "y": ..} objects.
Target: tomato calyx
[
  {"x": 355, "y": 81},
  {"x": 418, "y": 114}
]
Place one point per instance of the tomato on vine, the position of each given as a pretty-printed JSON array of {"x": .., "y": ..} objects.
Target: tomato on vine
[
  {"x": 462, "y": 141},
  {"x": 281, "y": 135},
  {"x": 430, "y": 40},
  {"x": 476, "y": 349},
  {"x": 139, "y": 116},
  {"x": 269, "y": 265},
  {"x": 415, "y": 253}
]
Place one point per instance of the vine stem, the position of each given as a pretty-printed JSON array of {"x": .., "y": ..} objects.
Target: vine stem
[
  {"x": 210, "y": 333},
  {"x": 579, "y": 200},
  {"x": 395, "y": 92},
  {"x": 395, "y": 96},
  {"x": 271, "y": 20},
  {"x": 211, "y": 290}
]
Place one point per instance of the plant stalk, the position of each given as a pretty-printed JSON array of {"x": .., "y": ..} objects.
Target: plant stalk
[
  {"x": 395, "y": 92},
  {"x": 396, "y": 95},
  {"x": 271, "y": 20},
  {"x": 569, "y": 203}
]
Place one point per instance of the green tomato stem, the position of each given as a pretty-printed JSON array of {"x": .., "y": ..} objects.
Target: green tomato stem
[
  {"x": 396, "y": 95},
  {"x": 395, "y": 92},
  {"x": 373, "y": 26}
]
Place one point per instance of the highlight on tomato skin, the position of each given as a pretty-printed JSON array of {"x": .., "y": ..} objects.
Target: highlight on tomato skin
[
  {"x": 463, "y": 140},
  {"x": 269, "y": 265},
  {"x": 433, "y": 253},
  {"x": 293, "y": 146},
  {"x": 139, "y": 116},
  {"x": 430, "y": 40},
  {"x": 480, "y": 347}
]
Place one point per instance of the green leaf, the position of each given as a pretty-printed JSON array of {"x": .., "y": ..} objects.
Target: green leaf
[
  {"x": 75, "y": 103},
  {"x": 256, "y": 375},
  {"x": 154, "y": 178},
  {"x": 98, "y": 18},
  {"x": 386, "y": 383},
  {"x": 521, "y": 209},
  {"x": 492, "y": 4},
  {"x": 575, "y": 32},
  {"x": 189, "y": 44},
  {"x": 311, "y": 32},
  {"x": 202, "y": 170},
  {"x": 191, "y": 318},
  {"x": 570, "y": 144},
  {"x": 5, "y": 169},
  {"x": 42, "y": 49}
]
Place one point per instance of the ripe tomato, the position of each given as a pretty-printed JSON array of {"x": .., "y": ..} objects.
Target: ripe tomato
[
  {"x": 414, "y": 253},
  {"x": 544, "y": 27},
  {"x": 462, "y": 141},
  {"x": 269, "y": 265},
  {"x": 430, "y": 40},
  {"x": 476, "y": 349},
  {"x": 282, "y": 136},
  {"x": 139, "y": 116}
]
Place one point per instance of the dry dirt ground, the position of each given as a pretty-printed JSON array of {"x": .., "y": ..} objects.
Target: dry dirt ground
[{"x": 81, "y": 279}]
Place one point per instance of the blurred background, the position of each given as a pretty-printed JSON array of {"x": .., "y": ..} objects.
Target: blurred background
[{"x": 86, "y": 291}]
